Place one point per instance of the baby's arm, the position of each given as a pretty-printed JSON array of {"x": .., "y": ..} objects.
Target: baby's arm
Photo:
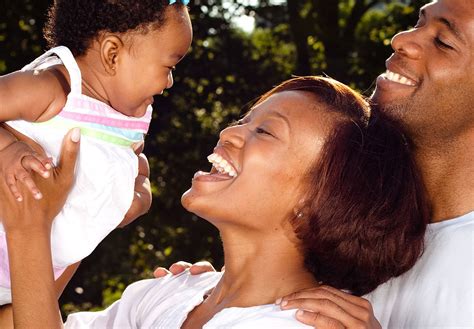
[{"x": 30, "y": 96}]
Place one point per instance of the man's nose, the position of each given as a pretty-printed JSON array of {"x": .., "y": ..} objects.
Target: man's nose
[{"x": 406, "y": 43}]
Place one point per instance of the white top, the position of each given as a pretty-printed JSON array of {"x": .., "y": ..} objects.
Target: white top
[
  {"x": 105, "y": 172},
  {"x": 438, "y": 292},
  {"x": 166, "y": 302}
]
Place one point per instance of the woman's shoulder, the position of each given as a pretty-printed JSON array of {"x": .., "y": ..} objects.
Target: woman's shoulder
[
  {"x": 172, "y": 284},
  {"x": 261, "y": 316}
]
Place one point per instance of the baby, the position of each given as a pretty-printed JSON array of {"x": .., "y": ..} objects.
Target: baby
[{"x": 108, "y": 58}]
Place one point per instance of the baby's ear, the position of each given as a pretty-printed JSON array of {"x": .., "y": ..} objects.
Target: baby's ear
[{"x": 111, "y": 45}]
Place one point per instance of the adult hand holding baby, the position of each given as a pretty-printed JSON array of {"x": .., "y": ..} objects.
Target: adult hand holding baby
[
  {"x": 21, "y": 216},
  {"x": 27, "y": 225}
]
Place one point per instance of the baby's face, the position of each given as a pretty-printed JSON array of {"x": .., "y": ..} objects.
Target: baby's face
[{"x": 145, "y": 66}]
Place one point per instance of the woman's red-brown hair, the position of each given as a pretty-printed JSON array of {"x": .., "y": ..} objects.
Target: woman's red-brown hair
[{"x": 366, "y": 213}]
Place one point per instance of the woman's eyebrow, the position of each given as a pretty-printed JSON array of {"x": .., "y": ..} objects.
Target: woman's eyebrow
[{"x": 278, "y": 115}]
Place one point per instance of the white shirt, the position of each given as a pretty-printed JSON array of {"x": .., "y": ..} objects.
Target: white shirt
[
  {"x": 166, "y": 302},
  {"x": 438, "y": 292}
]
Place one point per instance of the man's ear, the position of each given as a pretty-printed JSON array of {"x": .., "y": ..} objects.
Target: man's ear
[{"x": 111, "y": 46}]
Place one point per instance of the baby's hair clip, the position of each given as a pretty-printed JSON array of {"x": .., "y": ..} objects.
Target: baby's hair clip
[{"x": 184, "y": 2}]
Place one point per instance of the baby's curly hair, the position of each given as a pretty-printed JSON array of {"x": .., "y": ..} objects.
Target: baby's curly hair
[{"x": 75, "y": 23}]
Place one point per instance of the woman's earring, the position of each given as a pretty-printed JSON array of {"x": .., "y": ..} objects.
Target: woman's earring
[{"x": 299, "y": 214}]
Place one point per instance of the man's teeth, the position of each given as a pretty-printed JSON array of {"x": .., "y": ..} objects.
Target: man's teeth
[
  {"x": 392, "y": 76},
  {"x": 222, "y": 165}
]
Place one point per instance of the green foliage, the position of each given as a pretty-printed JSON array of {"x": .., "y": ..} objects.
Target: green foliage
[{"x": 225, "y": 69}]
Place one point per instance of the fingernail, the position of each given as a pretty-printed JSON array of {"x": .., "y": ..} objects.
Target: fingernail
[
  {"x": 48, "y": 166},
  {"x": 38, "y": 196},
  {"x": 46, "y": 174},
  {"x": 299, "y": 313},
  {"x": 19, "y": 199},
  {"x": 283, "y": 303},
  {"x": 76, "y": 135},
  {"x": 278, "y": 301}
]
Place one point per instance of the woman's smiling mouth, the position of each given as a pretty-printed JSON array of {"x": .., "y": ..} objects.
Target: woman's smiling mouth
[{"x": 221, "y": 170}]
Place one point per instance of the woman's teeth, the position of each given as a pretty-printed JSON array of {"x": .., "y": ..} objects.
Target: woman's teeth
[{"x": 221, "y": 165}]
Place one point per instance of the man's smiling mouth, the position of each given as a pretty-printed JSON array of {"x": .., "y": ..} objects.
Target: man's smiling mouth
[{"x": 398, "y": 78}]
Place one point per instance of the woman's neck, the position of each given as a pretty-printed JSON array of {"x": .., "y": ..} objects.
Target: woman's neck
[{"x": 259, "y": 269}]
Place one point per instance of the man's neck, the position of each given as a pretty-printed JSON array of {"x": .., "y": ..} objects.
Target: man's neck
[{"x": 448, "y": 173}]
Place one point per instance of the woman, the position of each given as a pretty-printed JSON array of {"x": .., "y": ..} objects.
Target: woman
[{"x": 307, "y": 183}]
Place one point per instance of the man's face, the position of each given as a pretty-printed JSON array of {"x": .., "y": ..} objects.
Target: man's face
[{"x": 429, "y": 82}]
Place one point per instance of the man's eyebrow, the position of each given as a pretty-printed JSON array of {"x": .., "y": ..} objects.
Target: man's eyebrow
[{"x": 450, "y": 25}]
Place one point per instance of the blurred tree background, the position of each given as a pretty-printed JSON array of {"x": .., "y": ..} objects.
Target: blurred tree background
[{"x": 241, "y": 48}]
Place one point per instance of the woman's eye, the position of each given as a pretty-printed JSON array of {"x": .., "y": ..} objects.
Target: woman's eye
[
  {"x": 262, "y": 131},
  {"x": 439, "y": 43}
]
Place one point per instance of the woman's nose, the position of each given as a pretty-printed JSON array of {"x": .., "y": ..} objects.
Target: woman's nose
[
  {"x": 407, "y": 44},
  {"x": 234, "y": 135}
]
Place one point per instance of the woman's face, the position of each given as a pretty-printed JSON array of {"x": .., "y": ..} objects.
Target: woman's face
[{"x": 263, "y": 162}]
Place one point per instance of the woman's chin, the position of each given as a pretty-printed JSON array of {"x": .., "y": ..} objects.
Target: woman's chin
[{"x": 192, "y": 202}]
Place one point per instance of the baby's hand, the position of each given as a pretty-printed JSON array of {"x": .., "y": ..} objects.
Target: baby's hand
[{"x": 17, "y": 160}]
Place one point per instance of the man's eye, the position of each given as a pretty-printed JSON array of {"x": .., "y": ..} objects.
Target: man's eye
[{"x": 439, "y": 43}]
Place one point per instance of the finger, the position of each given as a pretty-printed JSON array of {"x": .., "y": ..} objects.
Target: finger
[
  {"x": 325, "y": 307},
  {"x": 201, "y": 267},
  {"x": 160, "y": 272},
  {"x": 31, "y": 162},
  {"x": 318, "y": 320},
  {"x": 30, "y": 184},
  {"x": 362, "y": 302},
  {"x": 179, "y": 267},
  {"x": 358, "y": 307},
  {"x": 69, "y": 152},
  {"x": 11, "y": 183},
  {"x": 333, "y": 294},
  {"x": 47, "y": 162}
]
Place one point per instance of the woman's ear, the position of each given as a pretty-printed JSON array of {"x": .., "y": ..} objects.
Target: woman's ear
[
  {"x": 300, "y": 209},
  {"x": 111, "y": 46}
]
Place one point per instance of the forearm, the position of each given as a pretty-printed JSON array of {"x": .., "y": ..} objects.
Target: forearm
[
  {"x": 33, "y": 289},
  {"x": 64, "y": 279},
  {"x": 6, "y": 317}
]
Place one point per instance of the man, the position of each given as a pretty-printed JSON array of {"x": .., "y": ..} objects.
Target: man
[{"x": 429, "y": 86}]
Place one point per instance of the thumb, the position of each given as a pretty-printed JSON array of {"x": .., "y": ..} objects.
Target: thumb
[{"x": 69, "y": 151}]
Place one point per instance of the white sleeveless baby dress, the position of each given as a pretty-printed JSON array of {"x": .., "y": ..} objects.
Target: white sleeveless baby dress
[{"x": 105, "y": 172}]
